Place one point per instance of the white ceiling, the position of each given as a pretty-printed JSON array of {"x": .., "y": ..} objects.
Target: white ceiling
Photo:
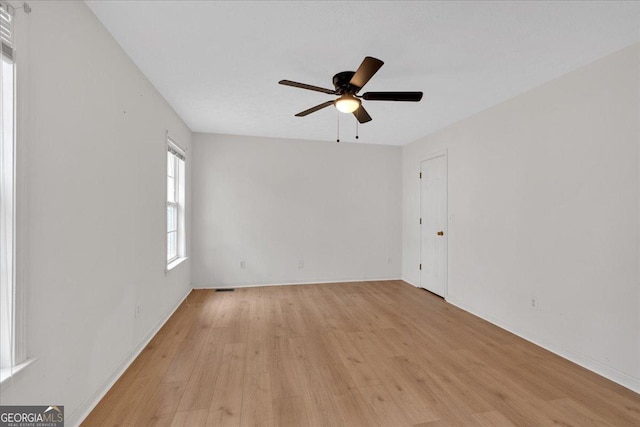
[{"x": 218, "y": 63}]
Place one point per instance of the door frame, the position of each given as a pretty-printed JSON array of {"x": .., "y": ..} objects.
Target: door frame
[{"x": 432, "y": 155}]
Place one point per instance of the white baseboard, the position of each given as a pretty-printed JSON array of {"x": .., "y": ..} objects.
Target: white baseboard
[
  {"x": 85, "y": 408},
  {"x": 585, "y": 361},
  {"x": 286, "y": 283}
]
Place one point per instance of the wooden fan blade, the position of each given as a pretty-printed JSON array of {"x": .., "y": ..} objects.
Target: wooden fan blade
[
  {"x": 314, "y": 109},
  {"x": 393, "y": 96},
  {"x": 365, "y": 71},
  {"x": 306, "y": 86},
  {"x": 362, "y": 115}
]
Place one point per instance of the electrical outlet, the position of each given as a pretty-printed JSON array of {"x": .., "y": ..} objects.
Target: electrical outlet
[
  {"x": 242, "y": 264},
  {"x": 534, "y": 303},
  {"x": 137, "y": 313},
  {"x": 301, "y": 264}
]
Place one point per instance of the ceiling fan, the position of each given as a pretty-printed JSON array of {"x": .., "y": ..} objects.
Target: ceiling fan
[{"x": 347, "y": 84}]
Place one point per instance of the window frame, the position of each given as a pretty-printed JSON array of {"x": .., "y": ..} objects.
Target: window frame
[
  {"x": 172, "y": 205},
  {"x": 8, "y": 199},
  {"x": 176, "y": 154},
  {"x": 19, "y": 359}
]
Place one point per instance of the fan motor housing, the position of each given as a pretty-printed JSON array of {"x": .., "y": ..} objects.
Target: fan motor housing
[{"x": 342, "y": 85}]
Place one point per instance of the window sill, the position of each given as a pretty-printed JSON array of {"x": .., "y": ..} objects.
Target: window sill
[
  {"x": 7, "y": 373},
  {"x": 173, "y": 264}
]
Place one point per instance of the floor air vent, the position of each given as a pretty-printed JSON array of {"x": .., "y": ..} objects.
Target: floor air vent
[{"x": 225, "y": 290}]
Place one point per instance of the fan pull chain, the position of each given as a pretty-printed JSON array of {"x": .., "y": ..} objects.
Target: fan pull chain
[
  {"x": 357, "y": 124},
  {"x": 338, "y": 139}
]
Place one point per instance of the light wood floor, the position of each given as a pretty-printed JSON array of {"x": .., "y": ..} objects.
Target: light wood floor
[{"x": 350, "y": 354}]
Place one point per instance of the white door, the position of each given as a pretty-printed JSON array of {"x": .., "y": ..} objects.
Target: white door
[{"x": 433, "y": 221}]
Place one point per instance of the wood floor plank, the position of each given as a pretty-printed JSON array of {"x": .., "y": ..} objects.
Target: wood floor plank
[
  {"x": 449, "y": 422},
  {"x": 492, "y": 419},
  {"x": 359, "y": 370},
  {"x": 257, "y": 403},
  {"x": 226, "y": 402},
  {"x": 160, "y": 406},
  {"x": 402, "y": 389},
  {"x": 615, "y": 405},
  {"x": 580, "y": 414},
  {"x": 379, "y": 353},
  {"x": 327, "y": 366},
  {"x": 511, "y": 399},
  {"x": 290, "y": 412},
  {"x": 184, "y": 360},
  {"x": 449, "y": 406},
  {"x": 369, "y": 344},
  {"x": 354, "y": 410},
  {"x": 385, "y": 409},
  {"x": 194, "y": 418},
  {"x": 285, "y": 379},
  {"x": 199, "y": 390}
]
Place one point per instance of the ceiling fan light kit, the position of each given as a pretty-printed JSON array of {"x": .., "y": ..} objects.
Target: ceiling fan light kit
[
  {"x": 347, "y": 103},
  {"x": 347, "y": 85}
]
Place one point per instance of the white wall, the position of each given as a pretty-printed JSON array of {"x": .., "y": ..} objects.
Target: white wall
[
  {"x": 544, "y": 193},
  {"x": 92, "y": 209},
  {"x": 272, "y": 203}
]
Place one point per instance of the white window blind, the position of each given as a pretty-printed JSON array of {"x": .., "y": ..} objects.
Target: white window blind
[
  {"x": 175, "y": 152},
  {"x": 6, "y": 30}
]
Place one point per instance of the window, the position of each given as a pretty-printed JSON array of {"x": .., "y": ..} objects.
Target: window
[
  {"x": 175, "y": 204},
  {"x": 7, "y": 196}
]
